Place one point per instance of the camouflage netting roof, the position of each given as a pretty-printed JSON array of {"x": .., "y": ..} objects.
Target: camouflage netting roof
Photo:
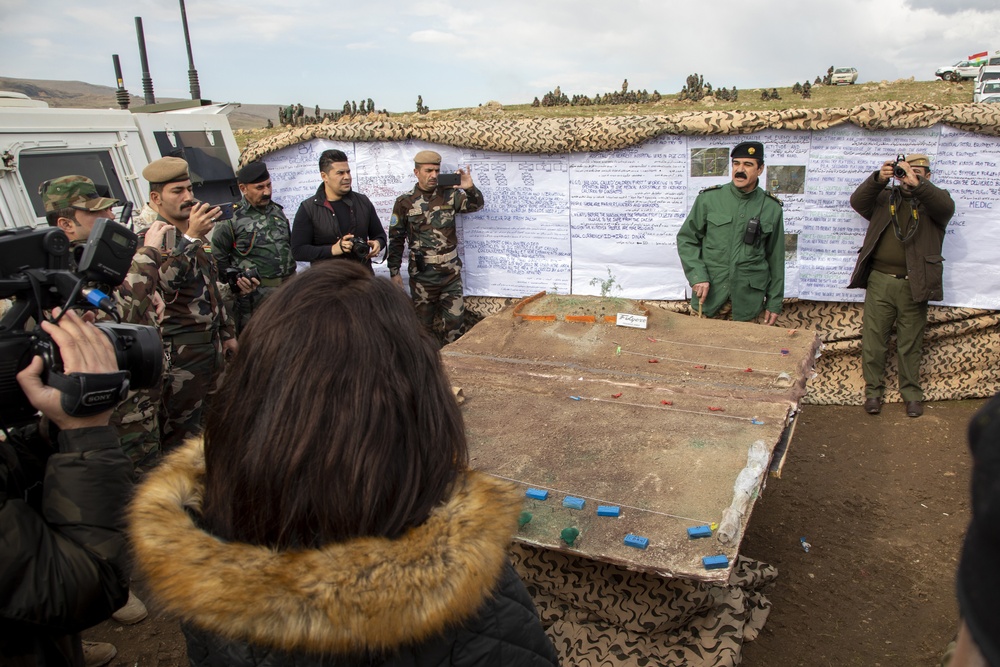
[{"x": 572, "y": 135}]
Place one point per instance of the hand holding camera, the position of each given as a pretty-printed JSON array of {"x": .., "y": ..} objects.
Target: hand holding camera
[
  {"x": 899, "y": 169},
  {"x": 84, "y": 349},
  {"x": 243, "y": 281}
]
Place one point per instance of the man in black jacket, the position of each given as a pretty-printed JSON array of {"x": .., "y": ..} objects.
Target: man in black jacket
[
  {"x": 62, "y": 494},
  {"x": 900, "y": 267},
  {"x": 336, "y": 223}
]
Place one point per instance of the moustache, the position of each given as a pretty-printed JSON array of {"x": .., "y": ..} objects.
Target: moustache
[
  {"x": 740, "y": 174},
  {"x": 189, "y": 204}
]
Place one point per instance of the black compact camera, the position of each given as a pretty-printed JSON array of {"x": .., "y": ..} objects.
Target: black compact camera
[
  {"x": 898, "y": 171},
  {"x": 360, "y": 248},
  {"x": 449, "y": 180},
  {"x": 233, "y": 276},
  {"x": 37, "y": 271}
]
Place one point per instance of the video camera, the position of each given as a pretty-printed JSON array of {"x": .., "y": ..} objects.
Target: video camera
[{"x": 36, "y": 271}]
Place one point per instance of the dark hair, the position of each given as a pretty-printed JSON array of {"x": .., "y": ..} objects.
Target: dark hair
[
  {"x": 335, "y": 420},
  {"x": 328, "y": 157},
  {"x": 157, "y": 187},
  {"x": 52, "y": 217}
]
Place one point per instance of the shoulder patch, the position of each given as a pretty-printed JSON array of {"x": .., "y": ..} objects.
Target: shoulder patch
[
  {"x": 710, "y": 188},
  {"x": 774, "y": 197}
]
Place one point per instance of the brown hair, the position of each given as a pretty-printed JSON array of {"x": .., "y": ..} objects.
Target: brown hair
[{"x": 335, "y": 419}]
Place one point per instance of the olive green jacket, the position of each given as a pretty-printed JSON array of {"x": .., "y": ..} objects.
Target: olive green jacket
[{"x": 712, "y": 249}]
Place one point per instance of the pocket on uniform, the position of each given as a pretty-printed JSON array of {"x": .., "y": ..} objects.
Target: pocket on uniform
[
  {"x": 718, "y": 232},
  {"x": 934, "y": 276}
]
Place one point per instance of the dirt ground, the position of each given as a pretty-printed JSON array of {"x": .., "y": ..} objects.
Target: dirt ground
[{"x": 883, "y": 502}]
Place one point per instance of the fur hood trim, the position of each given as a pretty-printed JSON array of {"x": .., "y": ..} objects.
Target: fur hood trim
[{"x": 361, "y": 595}]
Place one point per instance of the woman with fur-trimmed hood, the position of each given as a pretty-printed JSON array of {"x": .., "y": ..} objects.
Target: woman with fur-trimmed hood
[{"x": 329, "y": 517}]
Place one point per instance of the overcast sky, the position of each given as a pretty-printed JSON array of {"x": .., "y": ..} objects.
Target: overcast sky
[{"x": 467, "y": 53}]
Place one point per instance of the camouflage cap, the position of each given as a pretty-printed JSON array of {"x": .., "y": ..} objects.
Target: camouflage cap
[
  {"x": 166, "y": 170},
  {"x": 427, "y": 157},
  {"x": 73, "y": 192},
  {"x": 919, "y": 160}
]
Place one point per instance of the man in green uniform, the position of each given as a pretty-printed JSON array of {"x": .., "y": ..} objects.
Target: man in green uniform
[
  {"x": 424, "y": 219},
  {"x": 732, "y": 244},
  {"x": 195, "y": 327},
  {"x": 257, "y": 238},
  {"x": 900, "y": 271}
]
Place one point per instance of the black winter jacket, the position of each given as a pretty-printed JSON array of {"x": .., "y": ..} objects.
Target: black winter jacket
[
  {"x": 442, "y": 594},
  {"x": 62, "y": 542},
  {"x": 316, "y": 228}
]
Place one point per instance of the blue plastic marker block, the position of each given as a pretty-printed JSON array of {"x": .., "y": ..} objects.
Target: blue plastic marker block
[
  {"x": 573, "y": 503},
  {"x": 537, "y": 494},
  {"x": 636, "y": 541},
  {"x": 694, "y": 532},
  {"x": 608, "y": 510},
  {"x": 715, "y": 562}
]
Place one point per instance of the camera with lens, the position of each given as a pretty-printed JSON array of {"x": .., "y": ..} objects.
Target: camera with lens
[
  {"x": 40, "y": 270},
  {"x": 898, "y": 171},
  {"x": 360, "y": 248},
  {"x": 233, "y": 276}
]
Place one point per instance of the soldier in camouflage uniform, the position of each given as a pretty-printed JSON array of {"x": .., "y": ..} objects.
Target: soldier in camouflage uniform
[
  {"x": 424, "y": 219},
  {"x": 195, "y": 329},
  {"x": 73, "y": 204},
  {"x": 258, "y": 237}
]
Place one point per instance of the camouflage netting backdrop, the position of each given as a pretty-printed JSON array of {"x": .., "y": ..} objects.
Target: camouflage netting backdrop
[
  {"x": 960, "y": 359},
  {"x": 574, "y": 135},
  {"x": 602, "y": 615}
]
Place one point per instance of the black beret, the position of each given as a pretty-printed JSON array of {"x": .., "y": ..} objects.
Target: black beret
[
  {"x": 752, "y": 149},
  {"x": 255, "y": 172}
]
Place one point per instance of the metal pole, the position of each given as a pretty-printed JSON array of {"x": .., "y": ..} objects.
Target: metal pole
[
  {"x": 192, "y": 72},
  {"x": 147, "y": 81},
  {"x": 121, "y": 95}
]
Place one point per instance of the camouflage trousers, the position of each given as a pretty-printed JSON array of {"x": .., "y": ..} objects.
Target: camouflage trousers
[
  {"x": 243, "y": 307},
  {"x": 137, "y": 421},
  {"x": 438, "y": 299},
  {"x": 194, "y": 370}
]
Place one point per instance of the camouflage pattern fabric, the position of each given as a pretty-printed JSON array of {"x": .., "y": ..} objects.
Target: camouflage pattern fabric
[
  {"x": 425, "y": 222},
  {"x": 195, "y": 369},
  {"x": 253, "y": 238},
  {"x": 137, "y": 417},
  {"x": 73, "y": 192},
  {"x": 193, "y": 326},
  {"x": 573, "y": 135},
  {"x": 602, "y": 615}
]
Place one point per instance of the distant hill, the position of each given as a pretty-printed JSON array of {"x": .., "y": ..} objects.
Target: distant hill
[{"x": 81, "y": 95}]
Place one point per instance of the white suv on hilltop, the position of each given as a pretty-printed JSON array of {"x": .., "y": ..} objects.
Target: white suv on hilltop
[
  {"x": 963, "y": 69},
  {"x": 844, "y": 75}
]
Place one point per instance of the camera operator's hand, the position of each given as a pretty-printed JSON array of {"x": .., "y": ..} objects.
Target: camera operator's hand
[
  {"x": 156, "y": 234},
  {"x": 159, "y": 305},
  {"x": 397, "y": 280},
  {"x": 885, "y": 172},
  {"x": 466, "y": 181},
  {"x": 247, "y": 285},
  {"x": 343, "y": 246},
  {"x": 700, "y": 291},
  {"x": 84, "y": 349},
  {"x": 202, "y": 220},
  {"x": 375, "y": 246},
  {"x": 911, "y": 178}
]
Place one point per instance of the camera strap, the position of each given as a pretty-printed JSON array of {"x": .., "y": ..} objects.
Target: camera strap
[{"x": 85, "y": 394}]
